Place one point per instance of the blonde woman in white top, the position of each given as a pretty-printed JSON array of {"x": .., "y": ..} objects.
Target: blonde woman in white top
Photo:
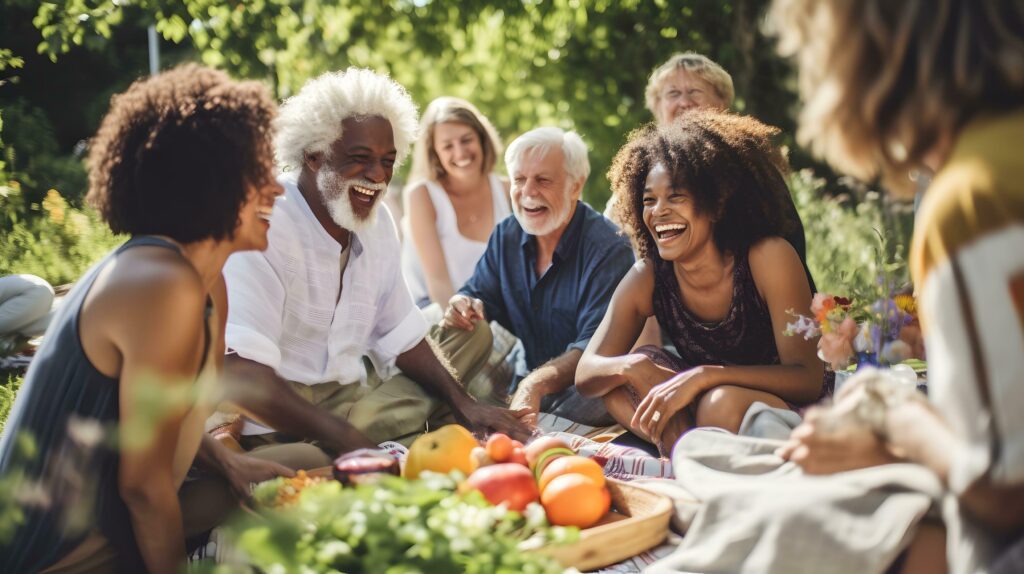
[{"x": 454, "y": 199}]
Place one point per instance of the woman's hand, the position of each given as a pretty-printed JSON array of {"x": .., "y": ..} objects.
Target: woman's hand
[
  {"x": 821, "y": 447},
  {"x": 241, "y": 470},
  {"x": 668, "y": 398},
  {"x": 643, "y": 374}
]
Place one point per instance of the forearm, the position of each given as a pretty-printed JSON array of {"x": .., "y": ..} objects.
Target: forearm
[
  {"x": 597, "y": 375},
  {"x": 440, "y": 290},
  {"x": 258, "y": 390},
  {"x": 553, "y": 376},
  {"x": 156, "y": 522},
  {"x": 423, "y": 365},
  {"x": 793, "y": 383},
  {"x": 919, "y": 434}
]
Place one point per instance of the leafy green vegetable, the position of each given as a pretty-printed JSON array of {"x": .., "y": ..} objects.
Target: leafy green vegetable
[{"x": 396, "y": 526}]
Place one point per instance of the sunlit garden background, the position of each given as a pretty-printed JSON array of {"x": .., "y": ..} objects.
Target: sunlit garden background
[{"x": 574, "y": 63}]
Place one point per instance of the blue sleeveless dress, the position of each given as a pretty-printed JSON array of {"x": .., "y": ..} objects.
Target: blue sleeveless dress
[{"x": 63, "y": 401}]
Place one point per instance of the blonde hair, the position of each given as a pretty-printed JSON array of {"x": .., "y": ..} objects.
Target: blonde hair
[
  {"x": 426, "y": 165},
  {"x": 696, "y": 64},
  {"x": 883, "y": 81}
]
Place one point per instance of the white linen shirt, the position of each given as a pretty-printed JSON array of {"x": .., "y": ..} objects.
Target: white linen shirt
[{"x": 284, "y": 310}]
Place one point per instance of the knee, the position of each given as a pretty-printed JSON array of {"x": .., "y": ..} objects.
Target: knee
[
  {"x": 482, "y": 336},
  {"x": 296, "y": 456},
  {"x": 36, "y": 294},
  {"x": 722, "y": 407}
]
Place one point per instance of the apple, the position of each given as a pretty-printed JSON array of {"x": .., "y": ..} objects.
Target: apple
[{"x": 507, "y": 482}]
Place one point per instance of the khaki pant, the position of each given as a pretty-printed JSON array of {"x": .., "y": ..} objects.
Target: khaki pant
[{"x": 397, "y": 409}]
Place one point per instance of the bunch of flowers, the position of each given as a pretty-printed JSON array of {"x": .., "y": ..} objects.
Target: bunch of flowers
[{"x": 878, "y": 333}]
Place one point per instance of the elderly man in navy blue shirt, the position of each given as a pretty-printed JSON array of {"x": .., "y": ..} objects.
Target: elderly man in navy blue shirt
[{"x": 548, "y": 274}]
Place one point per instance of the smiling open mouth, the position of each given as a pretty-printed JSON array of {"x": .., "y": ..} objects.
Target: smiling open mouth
[
  {"x": 669, "y": 230},
  {"x": 264, "y": 213},
  {"x": 363, "y": 195}
]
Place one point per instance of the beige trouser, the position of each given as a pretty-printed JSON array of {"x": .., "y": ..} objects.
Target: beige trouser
[{"x": 397, "y": 409}]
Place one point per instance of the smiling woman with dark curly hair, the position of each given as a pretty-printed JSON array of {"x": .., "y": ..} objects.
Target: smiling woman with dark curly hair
[
  {"x": 183, "y": 163},
  {"x": 700, "y": 200}
]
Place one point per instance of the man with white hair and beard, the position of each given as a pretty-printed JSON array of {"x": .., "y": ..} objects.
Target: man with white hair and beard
[
  {"x": 547, "y": 275},
  {"x": 323, "y": 336}
]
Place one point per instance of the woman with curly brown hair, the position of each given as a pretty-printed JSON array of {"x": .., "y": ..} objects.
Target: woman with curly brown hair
[
  {"x": 183, "y": 164},
  {"x": 700, "y": 199}
]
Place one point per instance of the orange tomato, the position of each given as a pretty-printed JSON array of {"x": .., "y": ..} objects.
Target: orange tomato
[
  {"x": 518, "y": 457},
  {"x": 499, "y": 447},
  {"x": 575, "y": 500},
  {"x": 571, "y": 465}
]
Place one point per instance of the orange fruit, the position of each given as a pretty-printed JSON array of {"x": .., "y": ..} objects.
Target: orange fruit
[
  {"x": 571, "y": 465},
  {"x": 575, "y": 500}
]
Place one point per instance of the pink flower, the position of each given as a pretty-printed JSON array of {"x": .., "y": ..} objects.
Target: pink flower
[
  {"x": 836, "y": 348},
  {"x": 818, "y": 302}
]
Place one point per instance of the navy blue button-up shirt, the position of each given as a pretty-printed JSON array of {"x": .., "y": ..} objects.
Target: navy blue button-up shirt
[{"x": 560, "y": 310}]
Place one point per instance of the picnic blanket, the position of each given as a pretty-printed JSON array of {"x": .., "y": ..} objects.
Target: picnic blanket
[
  {"x": 619, "y": 461},
  {"x": 743, "y": 509}
]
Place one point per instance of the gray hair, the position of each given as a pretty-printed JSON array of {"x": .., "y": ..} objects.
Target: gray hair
[
  {"x": 577, "y": 164},
  {"x": 310, "y": 121}
]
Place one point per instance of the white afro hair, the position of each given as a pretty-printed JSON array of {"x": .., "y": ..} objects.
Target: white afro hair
[{"x": 310, "y": 121}]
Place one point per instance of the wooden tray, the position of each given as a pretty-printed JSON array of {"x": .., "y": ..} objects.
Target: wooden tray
[{"x": 638, "y": 521}]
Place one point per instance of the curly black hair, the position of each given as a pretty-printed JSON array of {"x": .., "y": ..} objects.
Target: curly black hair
[
  {"x": 178, "y": 153},
  {"x": 726, "y": 161}
]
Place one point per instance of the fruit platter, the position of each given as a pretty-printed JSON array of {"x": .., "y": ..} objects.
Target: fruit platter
[{"x": 456, "y": 504}]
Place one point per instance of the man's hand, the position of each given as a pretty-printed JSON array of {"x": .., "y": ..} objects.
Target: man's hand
[
  {"x": 526, "y": 400},
  {"x": 241, "y": 470},
  {"x": 463, "y": 311},
  {"x": 483, "y": 419},
  {"x": 822, "y": 448}
]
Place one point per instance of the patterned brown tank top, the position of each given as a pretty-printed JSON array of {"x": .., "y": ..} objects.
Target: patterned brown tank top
[{"x": 743, "y": 337}]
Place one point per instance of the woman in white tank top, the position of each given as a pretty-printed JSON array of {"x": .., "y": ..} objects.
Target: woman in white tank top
[{"x": 453, "y": 202}]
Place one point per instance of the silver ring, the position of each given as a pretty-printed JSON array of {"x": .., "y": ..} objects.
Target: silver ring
[{"x": 656, "y": 417}]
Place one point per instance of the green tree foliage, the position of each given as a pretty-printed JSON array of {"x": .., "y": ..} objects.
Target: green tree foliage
[{"x": 573, "y": 63}]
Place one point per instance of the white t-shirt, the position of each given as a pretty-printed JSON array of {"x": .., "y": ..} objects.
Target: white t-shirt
[
  {"x": 284, "y": 308},
  {"x": 460, "y": 252}
]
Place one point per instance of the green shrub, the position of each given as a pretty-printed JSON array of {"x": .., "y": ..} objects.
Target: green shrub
[
  {"x": 50, "y": 239},
  {"x": 852, "y": 239},
  {"x": 9, "y": 384}
]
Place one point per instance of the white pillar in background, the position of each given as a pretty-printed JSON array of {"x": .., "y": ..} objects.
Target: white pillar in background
[{"x": 154, "y": 52}]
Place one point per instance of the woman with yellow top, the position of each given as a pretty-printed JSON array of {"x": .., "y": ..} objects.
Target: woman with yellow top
[{"x": 891, "y": 88}]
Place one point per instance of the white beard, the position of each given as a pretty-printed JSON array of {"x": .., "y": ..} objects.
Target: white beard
[
  {"x": 553, "y": 221},
  {"x": 335, "y": 192}
]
